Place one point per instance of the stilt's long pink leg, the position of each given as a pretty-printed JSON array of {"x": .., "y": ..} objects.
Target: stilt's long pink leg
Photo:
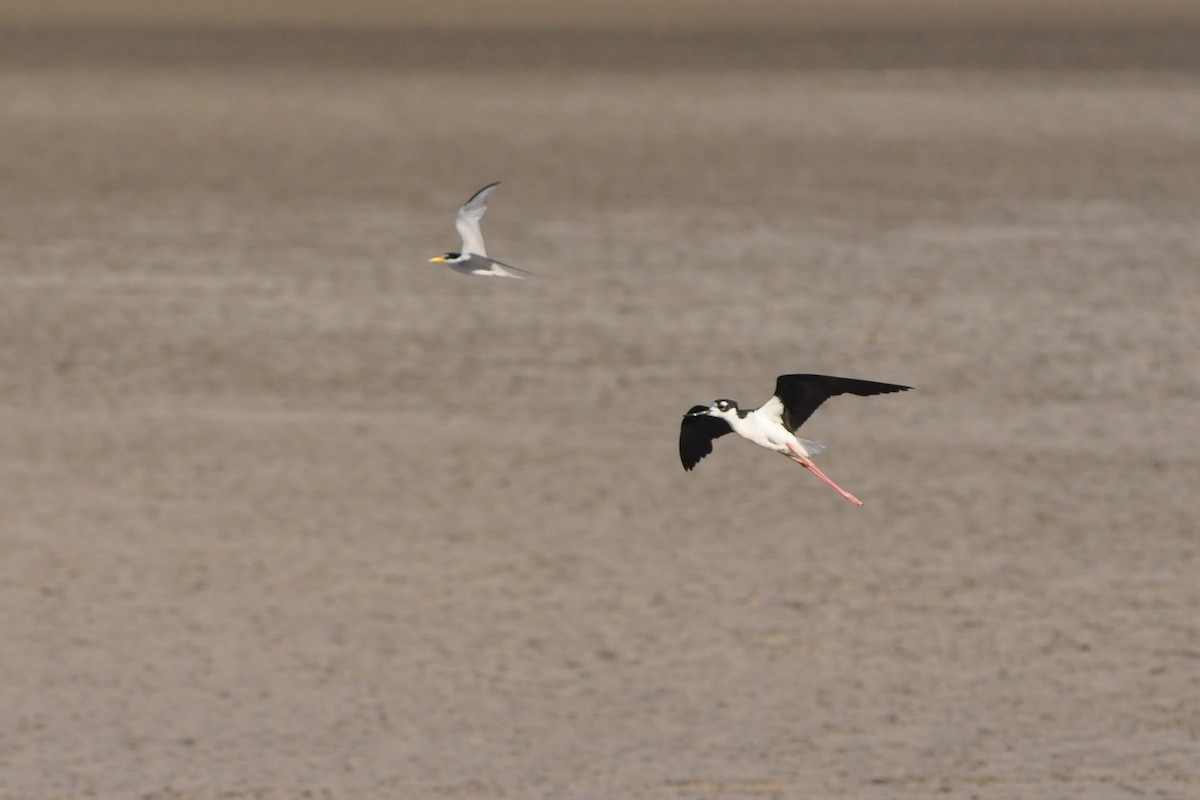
[{"x": 807, "y": 463}]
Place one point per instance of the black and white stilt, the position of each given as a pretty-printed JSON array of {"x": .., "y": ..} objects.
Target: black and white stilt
[{"x": 774, "y": 424}]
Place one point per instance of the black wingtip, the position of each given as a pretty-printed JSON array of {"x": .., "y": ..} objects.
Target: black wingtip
[
  {"x": 869, "y": 388},
  {"x": 471, "y": 199}
]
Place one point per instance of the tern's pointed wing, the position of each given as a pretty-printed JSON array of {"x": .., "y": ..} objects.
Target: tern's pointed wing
[
  {"x": 798, "y": 396},
  {"x": 468, "y": 220},
  {"x": 696, "y": 434},
  {"x": 504, "y": 266}
]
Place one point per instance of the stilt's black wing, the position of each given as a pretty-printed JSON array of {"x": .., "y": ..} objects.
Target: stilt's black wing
[
  {"x": 801, "y": 395},
  {"x": 696, "y": 434}
]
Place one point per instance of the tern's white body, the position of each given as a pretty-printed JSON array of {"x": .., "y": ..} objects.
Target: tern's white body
[{"x": 473, "y": 259}]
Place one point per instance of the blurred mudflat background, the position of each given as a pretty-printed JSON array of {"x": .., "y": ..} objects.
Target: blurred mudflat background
[{"x": 287, "y": 511}]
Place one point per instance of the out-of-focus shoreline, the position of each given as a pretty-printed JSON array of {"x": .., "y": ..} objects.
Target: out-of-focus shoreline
[
  {"x": 1093, "y": 48},
  {"x": 663, "y": 15}
]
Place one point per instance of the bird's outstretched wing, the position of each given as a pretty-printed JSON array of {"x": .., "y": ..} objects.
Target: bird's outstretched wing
[
  {"x": 521, "y": 270},
  {"x": 468, "y": 219},
  {"x": 798, "y": 396},
  {"x": 696, "y": 434}
]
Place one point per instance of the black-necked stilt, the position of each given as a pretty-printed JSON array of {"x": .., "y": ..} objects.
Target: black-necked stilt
[
  {"x": 774, "y": 424},
  {"x": 473, "y": 260}
]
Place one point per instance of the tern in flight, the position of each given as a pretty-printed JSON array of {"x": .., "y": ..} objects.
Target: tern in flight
[
  {"x": 473, "y": 260},
  {"x": 774, "y": 424}
]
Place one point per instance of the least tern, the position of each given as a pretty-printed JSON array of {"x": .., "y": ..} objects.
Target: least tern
[
  {"x": 473, "y": 260},
  {"x": 774, "y": 424}
]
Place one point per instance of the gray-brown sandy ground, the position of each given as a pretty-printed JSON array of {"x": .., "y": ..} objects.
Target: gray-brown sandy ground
[
  {"x": 625, "y": 15},
  {"x": 289, "y": 512}
]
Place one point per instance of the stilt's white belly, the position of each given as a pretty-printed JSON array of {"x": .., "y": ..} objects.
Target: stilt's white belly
[
  {"x": 769, "y": 433},
  {"x": 765, "y": 433}
]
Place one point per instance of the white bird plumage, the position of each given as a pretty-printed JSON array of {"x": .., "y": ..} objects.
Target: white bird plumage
[
  {"x": 469, "y": 216},
  {"x": 473, "y": 259}
]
